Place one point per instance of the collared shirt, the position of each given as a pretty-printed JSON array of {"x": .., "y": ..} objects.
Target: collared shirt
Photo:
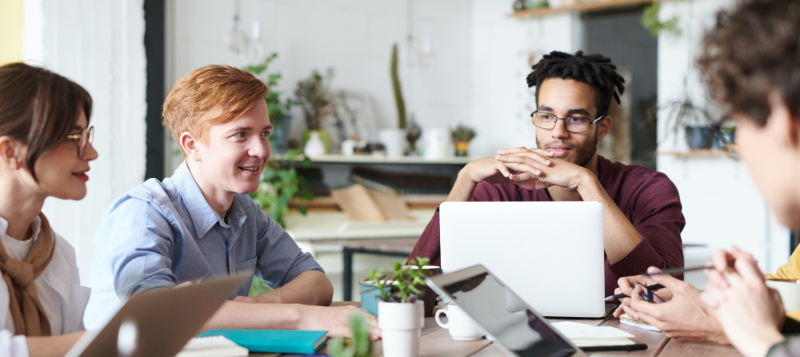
[{"x": 161, "y": 234}]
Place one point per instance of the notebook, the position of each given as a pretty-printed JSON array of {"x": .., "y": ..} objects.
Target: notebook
[
  {"x": 213, "y": 346},
  {"x": 585, "y": 335},
  {"x": 273, "y": 341}
]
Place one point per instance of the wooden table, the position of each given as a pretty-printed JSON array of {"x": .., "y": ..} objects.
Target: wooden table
[{"x": 436, "y": 342}]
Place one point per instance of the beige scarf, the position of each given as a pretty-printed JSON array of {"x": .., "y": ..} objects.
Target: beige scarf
[{"x": 27, "y": 312}]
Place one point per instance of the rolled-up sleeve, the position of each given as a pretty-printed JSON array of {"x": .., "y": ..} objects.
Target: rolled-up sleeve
[
  {"x": 279, "y": 259},
  {"x": 141, "y": 253}
]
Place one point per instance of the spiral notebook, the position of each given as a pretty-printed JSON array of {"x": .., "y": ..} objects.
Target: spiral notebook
[{"x": 212, "y": 346}]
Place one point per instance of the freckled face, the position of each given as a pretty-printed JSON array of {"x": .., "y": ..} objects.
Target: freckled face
[{"x": 238, "y": 151}]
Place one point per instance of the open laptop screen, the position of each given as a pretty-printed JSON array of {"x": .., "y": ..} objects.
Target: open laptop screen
[{"x": 505, "y": 317}]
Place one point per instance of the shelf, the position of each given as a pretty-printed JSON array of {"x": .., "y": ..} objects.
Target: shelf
[
  {"x": 373, "y": 159},
  {"x": 598, "y": 5},
  {"x": 697, "y": 153}
]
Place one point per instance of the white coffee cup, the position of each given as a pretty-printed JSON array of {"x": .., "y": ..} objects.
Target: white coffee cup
[
  {"x": 790, "y": 293},
  {"x": 460, "y": 325}
]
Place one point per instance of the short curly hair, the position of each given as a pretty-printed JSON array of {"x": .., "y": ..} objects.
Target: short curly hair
[
  {"x": 753, "y": 50},
  {"x": 210, "y": 95},
  {"x": 595, "y": 70}
]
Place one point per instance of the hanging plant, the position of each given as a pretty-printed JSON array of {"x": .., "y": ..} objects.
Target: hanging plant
[{"x": 654, "y": 25}]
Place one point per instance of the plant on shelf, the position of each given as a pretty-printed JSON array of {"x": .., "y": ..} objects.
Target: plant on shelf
[
  {"x": 279, "y": 184},
  {"x": 400, "y": 310},
  {"x": 461, "y": 136},
  {"x": 684, "y": 113},
  {"x": 314, "y": 96},
  {"x": 278, "y": 107},
  {"x": 398, "y": 91},
  {"x": 359, "y": 345}
]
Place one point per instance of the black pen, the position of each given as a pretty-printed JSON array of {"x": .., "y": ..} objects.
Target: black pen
[
  {"x": 636, "y": 347},
  {"x": 622, "y": 296}
]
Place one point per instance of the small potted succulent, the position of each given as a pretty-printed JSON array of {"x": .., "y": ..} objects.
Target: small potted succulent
[
  {"x": 400, "y": 309},
  {"x": 462, "y": 135}
]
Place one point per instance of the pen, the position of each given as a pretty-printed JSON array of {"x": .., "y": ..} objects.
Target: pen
[
  {"x": 674, "y": 271},
  {"x": 622, "y": 296},
  {"x": 636, "y": 347}
]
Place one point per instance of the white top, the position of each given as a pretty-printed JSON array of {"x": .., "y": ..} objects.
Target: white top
[{"x": 59, "y": 290}]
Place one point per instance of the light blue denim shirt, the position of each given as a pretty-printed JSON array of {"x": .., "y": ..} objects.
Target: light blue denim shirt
[{"x": 161, "y": 234}]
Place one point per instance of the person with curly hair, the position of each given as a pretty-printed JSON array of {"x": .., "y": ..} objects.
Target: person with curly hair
[
  {"x": 642, "y": 210},
  {"x": 751, "y": 64}
]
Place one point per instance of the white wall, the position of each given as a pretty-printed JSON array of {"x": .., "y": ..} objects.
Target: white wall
[
  {"x": 720, "y": 201},
  {"x": 100, "y": 45},
  {"x": 502, "y": 51},
  {"x": 354, "y": 37}
]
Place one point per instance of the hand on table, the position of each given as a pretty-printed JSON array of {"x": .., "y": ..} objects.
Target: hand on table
[
  {"x": 682, "y": 317},
  {"x": 541, "y": 166},
  {"x": 335, "y": 320},
  {"x": 750, "y": 313}
]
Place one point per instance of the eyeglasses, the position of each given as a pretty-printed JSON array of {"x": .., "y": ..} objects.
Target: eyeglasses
[
  {"x": 83, "y": 139},
  {"x": 573, "y": 124}
]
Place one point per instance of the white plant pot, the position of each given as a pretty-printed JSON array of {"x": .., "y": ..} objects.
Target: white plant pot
[
  {"x": 401, "y": 325},
  {"x": 394, "y": 140},
  {"x": 437, "y": 143}
]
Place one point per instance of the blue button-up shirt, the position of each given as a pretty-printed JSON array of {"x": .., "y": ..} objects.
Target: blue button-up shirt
[{"x": 161, "y": 234}]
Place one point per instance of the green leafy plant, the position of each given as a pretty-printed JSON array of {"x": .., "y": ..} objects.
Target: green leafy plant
[
  {"x": 398, "y": 91},
  {"x": 276, "y": 106},
  {"x": 402, "y": 284},
  {"x": 357, "y": 346},
  {"x": 313, "y": 95},
  {"x": 462, "y": 133},
  {"x": 279, "y": 184},
  {"x": 652, "y": 23}
]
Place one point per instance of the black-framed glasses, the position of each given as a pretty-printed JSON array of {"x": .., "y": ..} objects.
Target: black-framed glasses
[
  {"x": 84, "y": 138},
  {"x": 573, "y": 124}
]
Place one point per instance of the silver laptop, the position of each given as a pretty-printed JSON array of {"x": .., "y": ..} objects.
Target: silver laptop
[
  {"x": 159, "y": 323},
  {"x": 519, "y": 331},
  {"x": 550, "y": 253}
]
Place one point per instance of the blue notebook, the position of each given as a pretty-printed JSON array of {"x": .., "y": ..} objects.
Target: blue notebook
[{"x": 273, "y": 341}]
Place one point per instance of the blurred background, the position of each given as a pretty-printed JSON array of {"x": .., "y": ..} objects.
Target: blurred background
[{"x": 379, "y": 104}]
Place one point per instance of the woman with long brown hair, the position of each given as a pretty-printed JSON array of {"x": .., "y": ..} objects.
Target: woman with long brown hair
[{"x": 45, "y": 150}]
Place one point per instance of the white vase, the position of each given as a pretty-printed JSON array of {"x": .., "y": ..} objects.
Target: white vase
[
  {"x": 401, "y": 326},
  {"x": 394, "y": 140},
  {"x": 437, "y": 143},
  {"x": 314, "y": 146}
]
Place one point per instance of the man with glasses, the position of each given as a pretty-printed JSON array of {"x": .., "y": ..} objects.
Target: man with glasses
[{"x": 642, "y": 211}]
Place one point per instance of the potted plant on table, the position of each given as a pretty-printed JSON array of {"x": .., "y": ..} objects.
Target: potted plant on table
[
  {"x": 462, "y": 135},
  {"x": 400, "y": 311},
  {"x": 314, "y": 97}
]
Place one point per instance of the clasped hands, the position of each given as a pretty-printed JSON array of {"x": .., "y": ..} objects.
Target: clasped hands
[
  {"x": 528, "y": 168},
  {"x": 735, "y": 307}
]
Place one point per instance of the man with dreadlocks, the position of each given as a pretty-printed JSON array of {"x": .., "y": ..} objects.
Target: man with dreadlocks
[{"x": 641, "y": 208}]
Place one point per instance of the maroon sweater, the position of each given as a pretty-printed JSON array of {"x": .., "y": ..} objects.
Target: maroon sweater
[{"x": 647, "y": 197}]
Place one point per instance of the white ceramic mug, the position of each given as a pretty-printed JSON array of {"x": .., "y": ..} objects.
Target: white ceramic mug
[
  {"x": 460, "y": 325},
  {"x": 790, "y": 293}
]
